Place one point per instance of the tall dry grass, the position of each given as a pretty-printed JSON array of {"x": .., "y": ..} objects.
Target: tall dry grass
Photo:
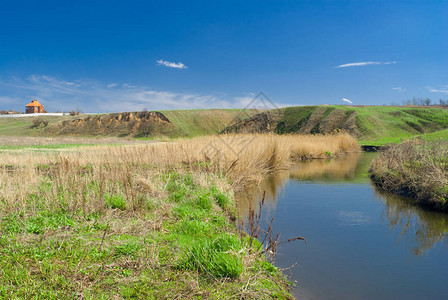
[
  {"x": 415, "y": 168},
  {"x": 79, "y": 179}
]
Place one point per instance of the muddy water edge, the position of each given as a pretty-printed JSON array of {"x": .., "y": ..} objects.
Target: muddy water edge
[{"x": 362, "y": 243}]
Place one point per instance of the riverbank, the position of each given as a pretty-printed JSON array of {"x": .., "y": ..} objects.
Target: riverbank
[
  {"x": 142, "y": 220},
  {"x": 417, "y": 169}
]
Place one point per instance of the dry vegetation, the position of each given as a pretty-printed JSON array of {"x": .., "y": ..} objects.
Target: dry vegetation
[
  {"x": 415, "y": 168},
  {"x": 143, "y": 220}
]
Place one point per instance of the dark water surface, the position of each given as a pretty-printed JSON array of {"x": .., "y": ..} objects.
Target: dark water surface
[{"x": 362, "y": 243}]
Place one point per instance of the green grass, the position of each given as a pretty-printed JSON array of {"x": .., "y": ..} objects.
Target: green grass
[
  {"x": 23, "y": 126},
  {"x": 179, "y": 246},
  {"x": 379, "y": 125},
  {"x": 187, "y": 123},
  {"x": 199, "y": 122},
  {"x": 376, "y": 125}
]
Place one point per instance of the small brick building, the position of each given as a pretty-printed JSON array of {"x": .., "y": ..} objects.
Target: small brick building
[{"x": 34, "y": 108}]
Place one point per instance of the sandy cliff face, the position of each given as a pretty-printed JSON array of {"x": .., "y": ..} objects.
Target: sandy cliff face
[{"x": 117, "y": 124}]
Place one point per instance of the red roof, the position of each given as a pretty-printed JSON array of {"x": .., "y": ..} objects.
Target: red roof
[{"x": 34, "y": 103}]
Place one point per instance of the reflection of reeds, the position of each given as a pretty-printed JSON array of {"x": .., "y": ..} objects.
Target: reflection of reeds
[
  {"x": 422, "y": 227},
  {"x": 343, "y": 167},
  {"x": 251, "y": 197},
  {"x": 338, "y": 168}
]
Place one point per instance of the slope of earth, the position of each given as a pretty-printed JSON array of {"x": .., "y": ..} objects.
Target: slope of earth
[
  {"x": 115, "y": 124},
  {"x": 170, "y": 123},
  {"x": 372, "y": 125}
]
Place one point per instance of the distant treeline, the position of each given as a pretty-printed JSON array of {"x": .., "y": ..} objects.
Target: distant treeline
[{"x": 424, "y": 101}]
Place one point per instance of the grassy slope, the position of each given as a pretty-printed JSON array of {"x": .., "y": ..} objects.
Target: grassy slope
[
  {"x": 384, "y": 124},
  {"x": 24, "y": 126},
  {"x": 200, "y": 122},
  {"x": 188, "y": 123},
  {"x": 379, "y": 125}
]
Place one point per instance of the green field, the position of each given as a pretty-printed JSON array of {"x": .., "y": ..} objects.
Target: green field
[{"x": 372, "y": 125}]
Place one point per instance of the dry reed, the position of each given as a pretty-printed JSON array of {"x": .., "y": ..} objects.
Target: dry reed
[
  {"x": 415, "y": 168},
  {"x": 242, "y": 159}
]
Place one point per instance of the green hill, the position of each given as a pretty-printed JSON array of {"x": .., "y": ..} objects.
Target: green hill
[
  {"x": 372, "y": 125},
  {"x": 170, "y": 123}
]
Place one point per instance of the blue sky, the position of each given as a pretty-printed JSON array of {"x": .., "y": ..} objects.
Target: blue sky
[{"x": 128, "y": 55}]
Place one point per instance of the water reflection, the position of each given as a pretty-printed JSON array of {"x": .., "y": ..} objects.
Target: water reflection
[
  {"x": 351, "y": 167},
  {"x": 421, "y": 228},
  {"x": 344, "y": 168},
  {"x": 357, "y": 235},
  {"x": 250, "y": 199}
]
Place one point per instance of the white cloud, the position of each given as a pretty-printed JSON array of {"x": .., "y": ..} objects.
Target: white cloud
[
  {"x": 112, "y": 85},
  {"x": 93, "y": 96},
  {"x": 399, "y": 89},
  {"x": 169, "y": 64},
  {"x": 443, "y": 91},
  {"x": 365, "y": 63},
  {"x": 346, "y": 100}
]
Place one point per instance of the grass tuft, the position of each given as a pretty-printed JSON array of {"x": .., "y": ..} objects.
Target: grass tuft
[{"x": 218, "y": 258}]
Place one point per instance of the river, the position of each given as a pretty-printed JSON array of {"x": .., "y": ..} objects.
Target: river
[{"x": 362, "y": 243}]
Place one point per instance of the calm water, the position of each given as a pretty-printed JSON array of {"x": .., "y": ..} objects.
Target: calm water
[{"x": 362, "y": 243}]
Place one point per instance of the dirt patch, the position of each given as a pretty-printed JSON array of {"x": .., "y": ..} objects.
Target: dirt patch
[
  {"x": 313, "y": 120},
  {"x": 116, "y": 124},
  {"x": 260, "y": 123}
]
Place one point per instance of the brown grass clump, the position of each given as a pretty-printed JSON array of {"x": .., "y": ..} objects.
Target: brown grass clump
[{"x": 417, "y": 169}]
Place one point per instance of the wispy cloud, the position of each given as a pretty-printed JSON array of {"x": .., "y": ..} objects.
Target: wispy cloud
[
  {"x": 169, "y": 64},
  {"x": 112, "y": 85},
  {"x": 94, "y": 96},
  {"x": 441, "y": 89},
  {"x": 399, "y": 89},
  {"x": 346, "y": 100},
  {"x": 365, "y": 63}
]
